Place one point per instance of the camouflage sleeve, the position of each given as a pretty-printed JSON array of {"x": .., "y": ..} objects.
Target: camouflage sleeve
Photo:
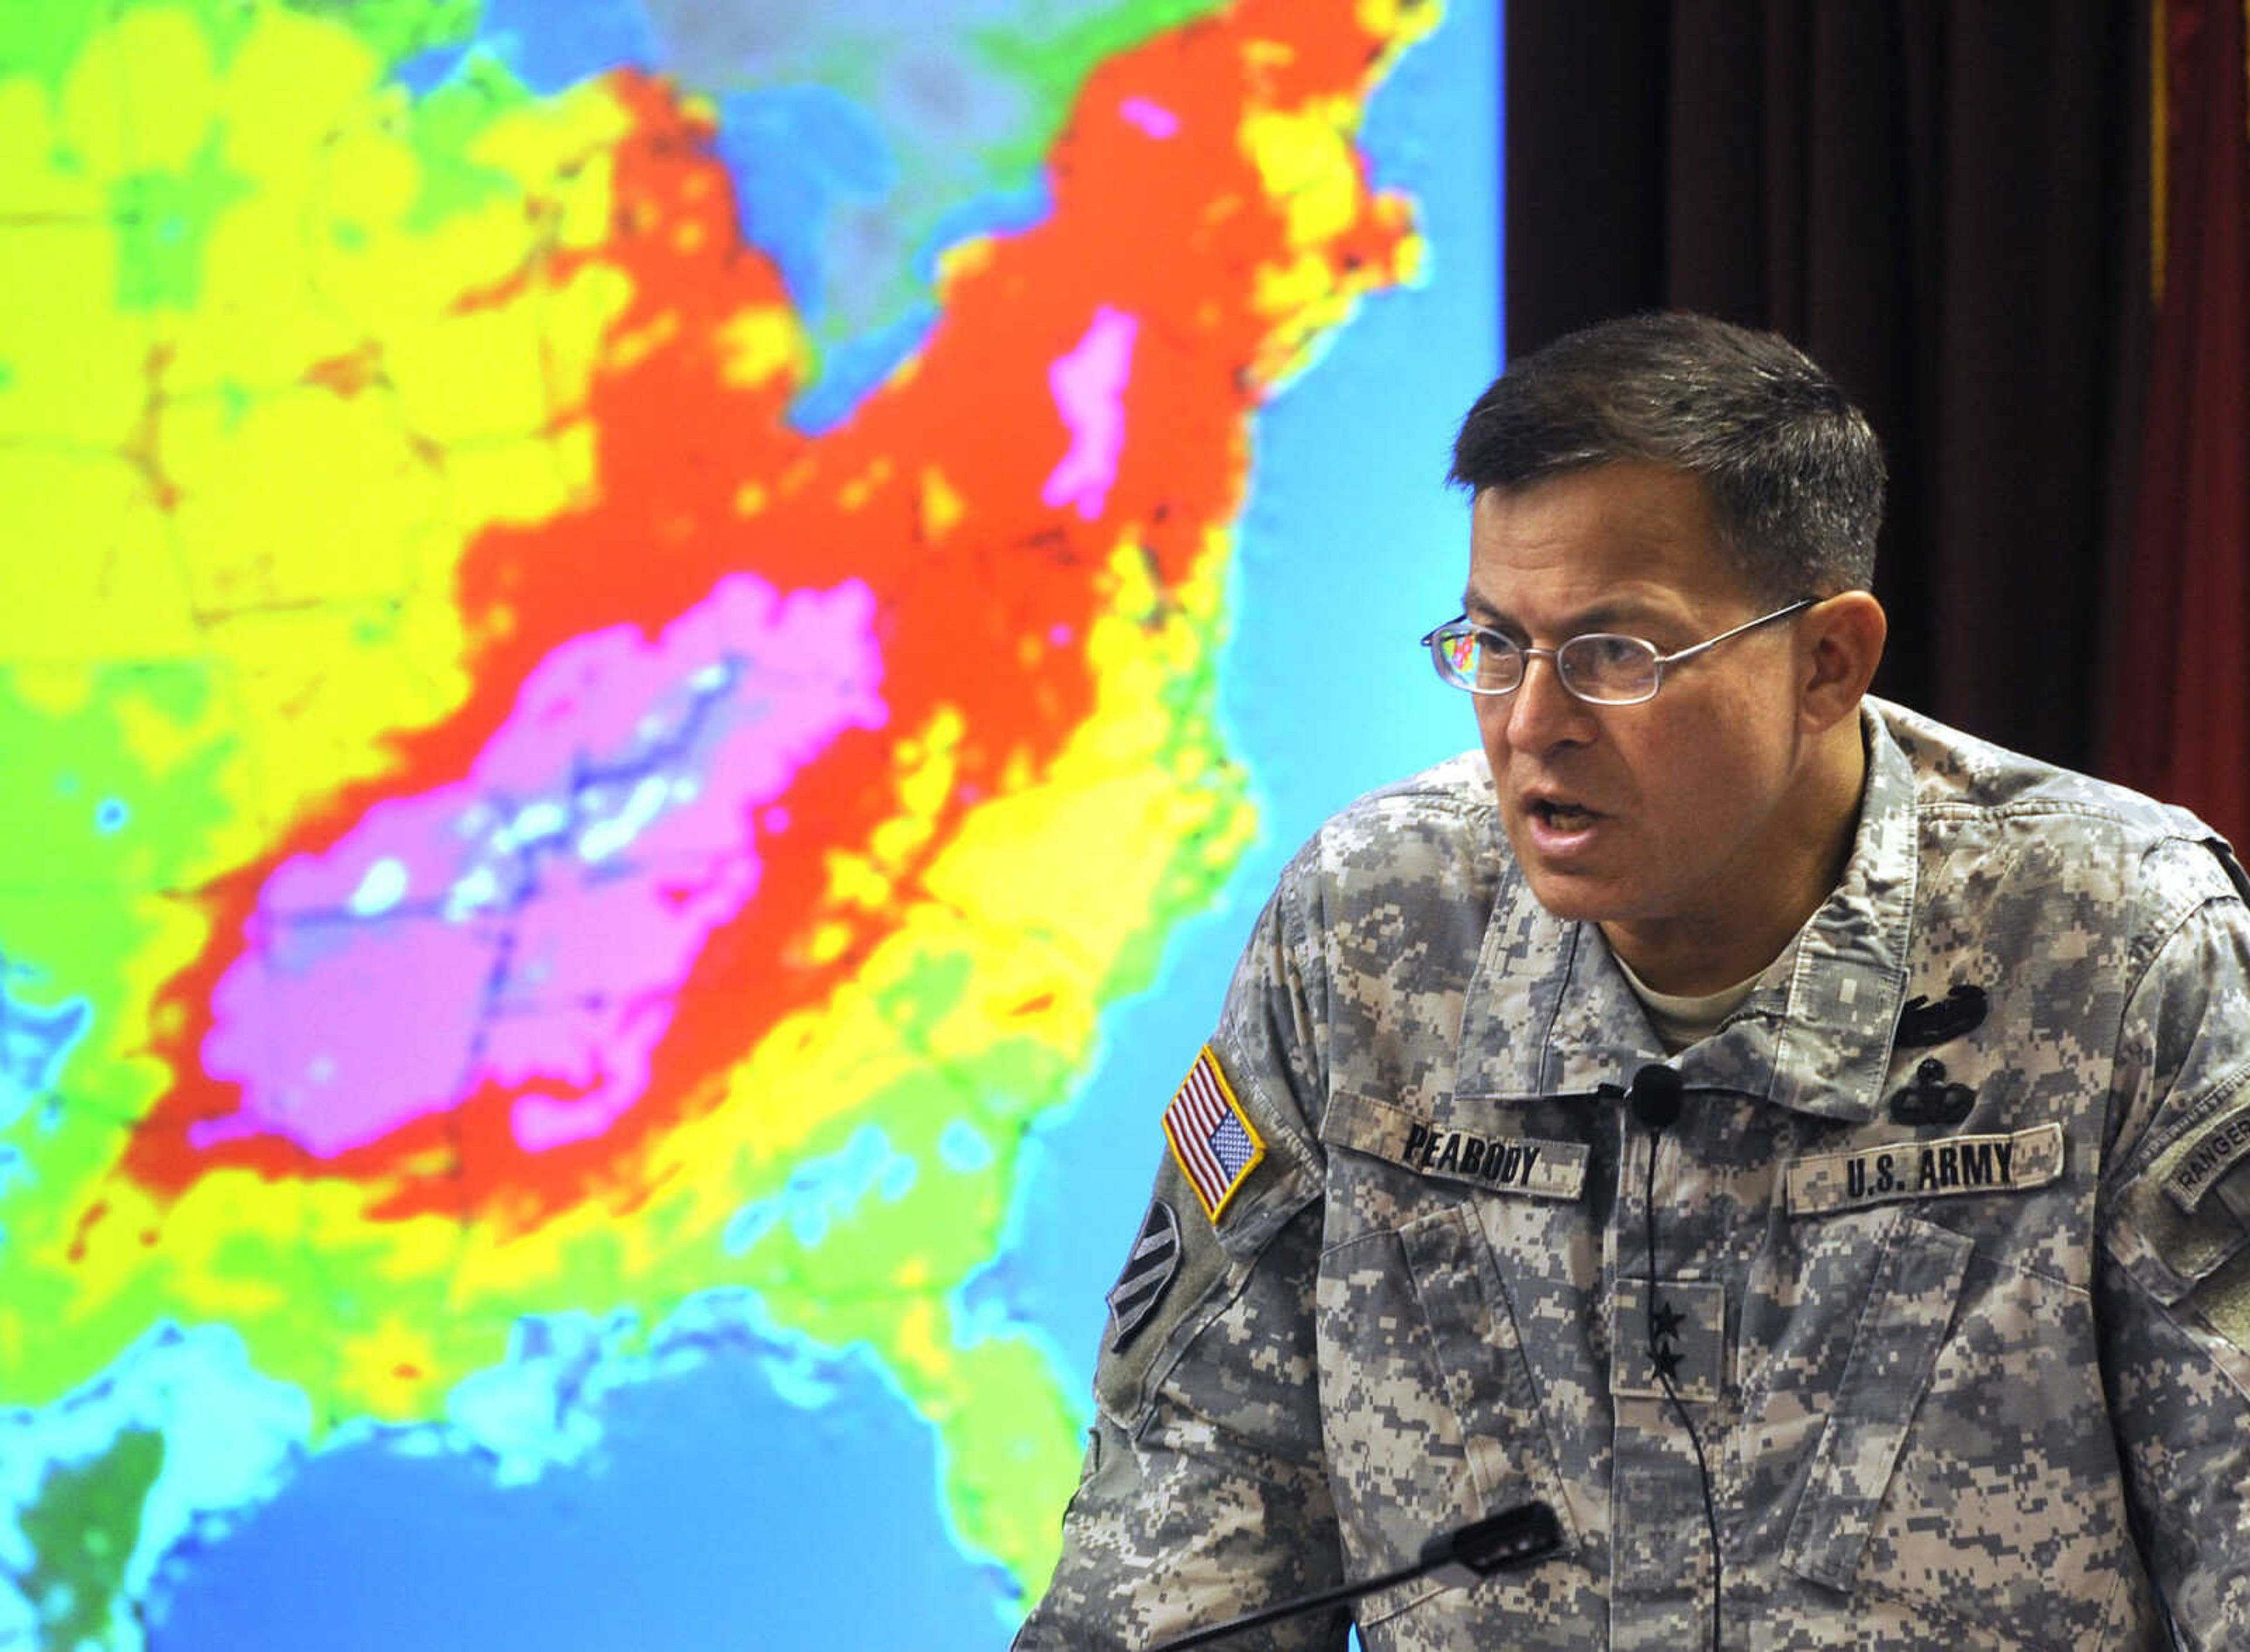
[
  {"x": 2175, "y": 1277},
  {"x": 1203, "y": 1493}
]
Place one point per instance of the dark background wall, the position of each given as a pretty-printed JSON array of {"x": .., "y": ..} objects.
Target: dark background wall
[{"x": 1946, "y": 205}]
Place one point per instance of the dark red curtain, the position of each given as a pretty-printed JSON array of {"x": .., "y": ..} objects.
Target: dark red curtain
[
  {"x": 2178, "y": 721},
  {"x": 1947, "y": 203}
]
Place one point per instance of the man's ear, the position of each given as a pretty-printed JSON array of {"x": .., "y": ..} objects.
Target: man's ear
[{"x": 1840, "y": 644}]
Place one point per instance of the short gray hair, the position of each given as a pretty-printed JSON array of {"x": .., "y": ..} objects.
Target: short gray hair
[{"x": 1793, "y": 470}]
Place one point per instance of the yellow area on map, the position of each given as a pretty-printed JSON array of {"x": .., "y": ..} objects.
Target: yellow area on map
[
  {"x": 278, "y": 469},
  {"x": 761, "y": 347},
  {"x": 274, "y": 472},
  {"x": 983, "y": 1006},
  {"x": 1398, "y": 23},
  {"x": 1306, "y": 162},
  {"x": 980, "y": 1007},
  {"x": 1305, "y": 158}
]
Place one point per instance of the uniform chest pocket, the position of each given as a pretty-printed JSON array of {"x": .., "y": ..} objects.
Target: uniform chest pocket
[
  {"x": 1967, "y": 1466},
  {"x": 1428, "y": 1406}
]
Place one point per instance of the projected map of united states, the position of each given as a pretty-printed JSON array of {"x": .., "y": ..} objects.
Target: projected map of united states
[{"x": 585, "y": 750}]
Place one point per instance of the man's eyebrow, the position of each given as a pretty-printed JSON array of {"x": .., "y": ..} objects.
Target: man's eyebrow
[
  {"x": 1483, "y": 610},
  {"x": 1597, "y": 617}
]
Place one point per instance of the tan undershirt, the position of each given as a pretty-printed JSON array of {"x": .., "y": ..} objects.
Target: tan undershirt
[{"x": 1680, "y": 1020}]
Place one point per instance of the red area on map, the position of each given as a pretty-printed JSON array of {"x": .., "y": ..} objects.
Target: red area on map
[{"x": 1168, "y": 223}]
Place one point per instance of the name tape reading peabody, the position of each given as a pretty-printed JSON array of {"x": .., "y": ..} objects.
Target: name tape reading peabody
[{"x": 1543, "y": 1169}]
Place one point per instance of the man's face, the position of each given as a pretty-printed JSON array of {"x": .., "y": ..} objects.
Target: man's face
[{"x": 1677, "y": 823}]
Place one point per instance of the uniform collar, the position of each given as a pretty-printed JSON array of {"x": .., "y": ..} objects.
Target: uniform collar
[{"x": 1548, "y": 1011}]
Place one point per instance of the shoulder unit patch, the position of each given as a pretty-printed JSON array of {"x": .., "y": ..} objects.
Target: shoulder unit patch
[
  {"x": 1212, "y": 1138},
  {"x": 2216, "y": 1151},
  {"x": 1148, "y": 1273}
]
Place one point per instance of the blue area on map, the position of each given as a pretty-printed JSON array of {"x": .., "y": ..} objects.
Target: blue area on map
[
  {"x": 857, "y": 365},
  {"x": 749, "y": 1224},
  {"x": 528, "y": 1410},
  {"x": 852, "y": 368},
  {"x": 716, "y": 1514},
  {"x": 546, "y": 44},
  {"x": 962, "y": 1147},
  {"x": 1349, "y": 537},
  {"x": 425, "y": 71},
  {"x": 111, "y": 816},
  {"x": 34, "y": 1043},
  {"x": 797, "y": 153},
  {"x": 996, "y": 212},
  {"x": 551, "y": 48},
  {"x": 736, "y": 1500},
  {"x": 824, "y": 1191}
]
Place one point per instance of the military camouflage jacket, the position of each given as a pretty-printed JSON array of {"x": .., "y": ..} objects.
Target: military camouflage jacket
[{"x": 1953, "y": 1247}]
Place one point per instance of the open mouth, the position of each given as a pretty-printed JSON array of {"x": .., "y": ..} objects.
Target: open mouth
[{"x": 1562, "y": 816}]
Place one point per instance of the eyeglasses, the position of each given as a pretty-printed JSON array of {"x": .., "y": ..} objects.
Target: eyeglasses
[{"x": 1598, "y": 667}]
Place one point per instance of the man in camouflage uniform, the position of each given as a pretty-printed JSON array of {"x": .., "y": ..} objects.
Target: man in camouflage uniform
[{"x": 1951, "y": 1237}]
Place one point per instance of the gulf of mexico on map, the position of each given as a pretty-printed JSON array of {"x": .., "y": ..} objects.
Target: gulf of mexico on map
[{"x": 651, "y": 655}]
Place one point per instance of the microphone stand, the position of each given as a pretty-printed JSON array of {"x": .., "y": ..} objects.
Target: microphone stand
[{"x": 1505, "y": 1542}]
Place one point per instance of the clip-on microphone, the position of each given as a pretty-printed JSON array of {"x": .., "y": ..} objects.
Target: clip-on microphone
[{"x": 1655, "y": 1096}]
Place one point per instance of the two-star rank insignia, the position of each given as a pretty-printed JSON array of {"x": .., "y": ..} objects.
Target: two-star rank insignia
[
  {"x": 1664, "y": 1339},
  {"x": 1212, "y": 1138},
  {"x": 1149, "y": 1270},
  {"x": 1676, "y": 1345}
]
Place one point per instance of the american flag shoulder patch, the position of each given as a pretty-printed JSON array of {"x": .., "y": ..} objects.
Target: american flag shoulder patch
[{"x": 1212, "y": 1138}]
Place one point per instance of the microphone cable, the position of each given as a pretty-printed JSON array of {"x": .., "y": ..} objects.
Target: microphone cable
[{"x": 1655, "y": 1096}]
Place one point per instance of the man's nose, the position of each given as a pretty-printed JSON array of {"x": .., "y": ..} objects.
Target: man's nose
[{"x": 1541, "y": 713}]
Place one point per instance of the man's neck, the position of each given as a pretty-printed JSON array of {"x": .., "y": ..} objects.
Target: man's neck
[{"x": 1798, "y": 872}]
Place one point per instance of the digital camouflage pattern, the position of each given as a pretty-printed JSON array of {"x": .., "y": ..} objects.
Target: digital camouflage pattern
[{"x": 1973, "y": 1385}]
